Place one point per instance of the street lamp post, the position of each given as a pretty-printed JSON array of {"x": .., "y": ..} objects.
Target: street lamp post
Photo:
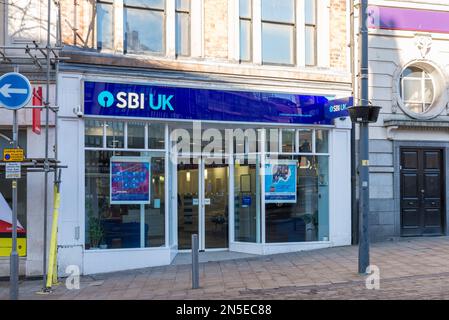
[
  {"x": 364, "y": 114},
  {"x": 364, "y": 148}
]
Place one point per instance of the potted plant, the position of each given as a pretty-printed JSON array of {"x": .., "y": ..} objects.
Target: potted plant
[
  {"x": 94, "y": 227},
  {"x": 95, "y": 232}
]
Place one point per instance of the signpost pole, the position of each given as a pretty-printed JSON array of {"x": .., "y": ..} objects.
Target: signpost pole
[
  {"x": 15, "y": 93},
  {"x": 14, "y": 259}
]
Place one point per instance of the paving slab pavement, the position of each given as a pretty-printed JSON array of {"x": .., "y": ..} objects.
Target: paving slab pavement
[{"x": 409, "y": 269}]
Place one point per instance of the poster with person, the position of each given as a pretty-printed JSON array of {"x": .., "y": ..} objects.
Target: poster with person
[{"x": 280, "y": 181}]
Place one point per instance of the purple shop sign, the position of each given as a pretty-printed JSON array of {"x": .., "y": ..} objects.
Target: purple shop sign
[{"x": 407, "y": 19}]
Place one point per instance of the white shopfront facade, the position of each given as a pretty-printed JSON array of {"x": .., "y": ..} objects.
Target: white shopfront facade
[{"x": 220, "y": 196}]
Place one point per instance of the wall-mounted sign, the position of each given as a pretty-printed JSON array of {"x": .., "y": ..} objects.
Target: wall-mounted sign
[
  {"x": 158, "y": 102},
  {"x": 130, "y": 180},
  {"x": 13, "y": 170},
  {"x": 408, "y": 19},
  {"x": 13, "y": 155},
  {"x": 15, "y": 91},
  {"x": 280, "y": 181}
]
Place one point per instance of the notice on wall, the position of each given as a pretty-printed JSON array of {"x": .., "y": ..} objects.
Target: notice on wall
[
  {"x": 280, "y": 181},
  {"x": 130, "y": 180},
  {"x": 13, "y": 170}
]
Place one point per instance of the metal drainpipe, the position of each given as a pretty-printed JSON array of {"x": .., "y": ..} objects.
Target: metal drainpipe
[
  {"x": 354, "y": 208},
  {"x": 364, "y": 255}
]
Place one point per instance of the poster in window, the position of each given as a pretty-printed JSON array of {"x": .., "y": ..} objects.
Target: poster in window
[
  {"x": 130, "y": 180},
  {"x": 280, "y": 181}
]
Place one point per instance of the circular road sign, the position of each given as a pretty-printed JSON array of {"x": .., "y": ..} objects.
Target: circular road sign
[{"x": 15, "y": 91}]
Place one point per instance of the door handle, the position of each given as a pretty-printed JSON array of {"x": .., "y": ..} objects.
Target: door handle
[{"x": 422, "y": 191}]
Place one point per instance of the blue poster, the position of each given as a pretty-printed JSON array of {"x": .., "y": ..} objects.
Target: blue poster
[
  {"x": 280, "y": 181},
  {"x": 130, "y": 180}
]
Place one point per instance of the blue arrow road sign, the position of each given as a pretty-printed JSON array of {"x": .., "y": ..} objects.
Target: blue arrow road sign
[{"x": 15, "y": 91}]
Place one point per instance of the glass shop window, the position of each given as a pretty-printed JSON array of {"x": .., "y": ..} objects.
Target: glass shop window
[
  {"x": 302, "y": 214},
  {"x": 114, "y": 219}
]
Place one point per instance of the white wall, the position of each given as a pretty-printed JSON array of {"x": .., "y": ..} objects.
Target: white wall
[
  {"x": 340, "y": 186},
  {"x": 71, "y": 135}
]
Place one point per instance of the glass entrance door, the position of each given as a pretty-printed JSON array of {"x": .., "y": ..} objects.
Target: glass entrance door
[
  {"x": 188, "y": 204},
  {"x": 216, "y": 209},
  {"x": 203, "y": 204}
]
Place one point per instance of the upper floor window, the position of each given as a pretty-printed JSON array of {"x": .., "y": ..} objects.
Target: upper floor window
[
  {"x": 105, "y": 25},
  {"x": 161, "y": 27},
  {"x": 417, "y": 89},
  {"x": 245, "y": 13},
  {"x": 183, "y": 27},
  {"x": 144, "y": 26},
  {"x": 282, "y": 32},
  {"x": 278, "y": 31},
  {"x": 310, "y": 32}
]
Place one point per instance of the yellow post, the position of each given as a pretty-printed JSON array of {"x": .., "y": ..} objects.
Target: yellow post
[{"x": 52, "y": 276}]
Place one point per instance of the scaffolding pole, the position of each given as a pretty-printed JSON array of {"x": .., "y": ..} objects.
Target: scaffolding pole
[{"x": 39, "y": 57}]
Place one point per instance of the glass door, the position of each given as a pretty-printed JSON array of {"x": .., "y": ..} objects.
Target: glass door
[
  {"x": 215, "y": 204},
  {"x": 202, "y": 201},
  {"x": 188, "y": 204}
]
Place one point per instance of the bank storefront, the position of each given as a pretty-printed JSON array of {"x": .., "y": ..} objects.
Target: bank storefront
[{"x": 151, "y": 164}]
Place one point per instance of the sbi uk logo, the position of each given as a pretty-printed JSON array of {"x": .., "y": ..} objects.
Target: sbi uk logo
[{"x": 132, "y": 100}]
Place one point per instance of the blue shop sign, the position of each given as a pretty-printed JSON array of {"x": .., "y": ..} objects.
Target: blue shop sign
[{"x": 160, "y": 102}]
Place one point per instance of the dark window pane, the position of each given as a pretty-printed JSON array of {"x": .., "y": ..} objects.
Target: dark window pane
[
  {"x": 136, "y": 135},
  {"x": 115, "y": 135},
  {"x": 245, "y": 9},
  {"x": 182, "y": 34},
  {"x": 247, "y": 202},
  {"x": 278, "y": 10},
  {"x": 245, "y": 40},
  {"x": 288, "y": 140},
  {"x": 156, "y": 136},
  {"x": 322, "y": 141},
  {"x": 155, "y": 212},
  {"x": 305, "y": 140},
  {"x": 144, "y": 31},
  {"x": 93, "y": 133},
  {"x": 277, "y": 43},
  {"x": 105, "y": 38}
]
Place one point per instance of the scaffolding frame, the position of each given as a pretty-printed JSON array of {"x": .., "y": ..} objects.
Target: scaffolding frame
[{"x": 41, "y": 59}]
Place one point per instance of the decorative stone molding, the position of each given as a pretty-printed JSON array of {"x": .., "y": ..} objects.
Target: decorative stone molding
[{"x": 423, "y": 43}]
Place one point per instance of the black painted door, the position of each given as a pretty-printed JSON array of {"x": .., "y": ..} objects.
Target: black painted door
[{"x": 421, "y": 192}]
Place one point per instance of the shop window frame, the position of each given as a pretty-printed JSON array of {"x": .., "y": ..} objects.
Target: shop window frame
[{"x": 161, "y": 153}]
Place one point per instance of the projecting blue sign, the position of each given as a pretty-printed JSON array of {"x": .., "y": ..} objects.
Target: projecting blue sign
[
  {"x": 160, "y": 102},
  {"x": 15, "y": 91}
]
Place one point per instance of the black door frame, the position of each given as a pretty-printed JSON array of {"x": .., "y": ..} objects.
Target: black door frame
[{"x": 441, "y": 147}]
